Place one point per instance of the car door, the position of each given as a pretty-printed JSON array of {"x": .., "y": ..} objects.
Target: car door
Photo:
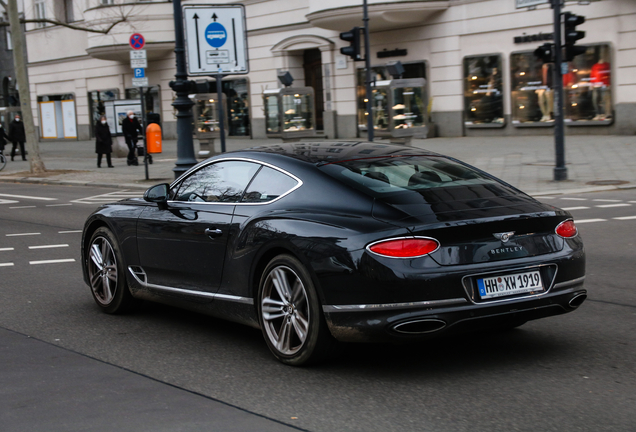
[{"x": 183, "y": 245}]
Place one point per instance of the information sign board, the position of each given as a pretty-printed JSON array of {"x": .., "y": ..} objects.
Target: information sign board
[
  {"x": 140, "y": 82},
  {"x": 529, "y": 3},
  {"x": 216, "y": 39},
  {"x": 138, "y": 59}
]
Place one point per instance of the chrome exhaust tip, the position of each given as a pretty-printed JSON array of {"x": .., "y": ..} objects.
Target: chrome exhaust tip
[
  {"x": 421, "y": 326},
  {"x": 577, "y": 300}
]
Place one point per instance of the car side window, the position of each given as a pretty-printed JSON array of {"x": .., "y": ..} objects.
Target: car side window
[
  {"x": 218, "y": 182},
  {"x": 268, "y": 185}
]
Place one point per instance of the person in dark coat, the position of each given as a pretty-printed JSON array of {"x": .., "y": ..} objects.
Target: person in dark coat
[
  {"x": 4, "y": 138},
  {"x": 17, "y": 136},
  {"x": 130, "y": 127},
  {"x": 103, "y": 142}
]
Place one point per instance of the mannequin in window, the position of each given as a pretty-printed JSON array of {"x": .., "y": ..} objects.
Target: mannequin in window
[
  {"x": 600, "y": 79},
  {"x": 546, "y": 94}
]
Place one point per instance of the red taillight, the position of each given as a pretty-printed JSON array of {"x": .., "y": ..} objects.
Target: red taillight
[
  {"x": 566, "y": 229},
  {"x": 405, "y": 247}
]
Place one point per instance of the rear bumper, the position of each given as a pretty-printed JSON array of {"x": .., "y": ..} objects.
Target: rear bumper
[{"x": 416, "y": 321}]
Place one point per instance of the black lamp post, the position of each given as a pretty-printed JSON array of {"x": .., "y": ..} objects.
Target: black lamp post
[{"x": 183, "y": 87}]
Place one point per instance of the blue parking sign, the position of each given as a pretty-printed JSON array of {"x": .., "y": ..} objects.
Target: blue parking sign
[{"x": 140, "y": 73}]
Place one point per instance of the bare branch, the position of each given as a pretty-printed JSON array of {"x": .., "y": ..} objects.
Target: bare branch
[
  {"x": 4, "y": 5},
  {"x": 71, "y": 26}
]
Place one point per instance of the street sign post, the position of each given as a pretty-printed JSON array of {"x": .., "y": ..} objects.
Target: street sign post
[{"x": 216, "y": 39}]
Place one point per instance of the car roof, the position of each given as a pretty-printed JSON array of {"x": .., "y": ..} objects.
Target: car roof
[{"x": 336, "y": 151}]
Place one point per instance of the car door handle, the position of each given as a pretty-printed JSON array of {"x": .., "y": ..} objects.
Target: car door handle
[{"x": 213, "y": 232}]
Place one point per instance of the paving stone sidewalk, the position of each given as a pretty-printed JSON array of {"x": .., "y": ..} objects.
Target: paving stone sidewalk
[{"x": 593, "y": 162}]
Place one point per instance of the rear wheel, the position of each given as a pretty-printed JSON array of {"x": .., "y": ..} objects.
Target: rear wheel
[
  {"x": 290, "y": 314},
  {"x": 106, "y": 273}
]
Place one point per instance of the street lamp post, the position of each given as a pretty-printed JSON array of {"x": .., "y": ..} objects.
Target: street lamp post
[{"x": 182, "y": 87}]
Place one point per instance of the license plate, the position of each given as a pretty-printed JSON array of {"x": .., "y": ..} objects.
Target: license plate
[{"x": 507, "y": 285}]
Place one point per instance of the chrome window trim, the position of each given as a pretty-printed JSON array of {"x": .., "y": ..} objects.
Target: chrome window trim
[
  {"x": 299, "y": 182},
  {"x": 392, "y": 306},
  {"x": 439, "y": 245},
  {"x": 212, "y": 296}
]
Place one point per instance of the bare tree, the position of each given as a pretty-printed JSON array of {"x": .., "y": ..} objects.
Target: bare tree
[{"x": 22, "y": 78}]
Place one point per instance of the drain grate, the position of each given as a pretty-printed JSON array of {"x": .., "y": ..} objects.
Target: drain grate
[{"x": 607, "y": 182}]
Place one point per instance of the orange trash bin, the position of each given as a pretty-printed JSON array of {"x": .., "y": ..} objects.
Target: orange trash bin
[{"x": 153, "y": 138}]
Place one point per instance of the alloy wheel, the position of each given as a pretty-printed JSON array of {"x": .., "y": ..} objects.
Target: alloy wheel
[
  {"x": 285, "y": 310},
  {"x": 102, "y": 270}
]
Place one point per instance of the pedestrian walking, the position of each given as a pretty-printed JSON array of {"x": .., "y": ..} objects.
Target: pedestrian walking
[
  {"x": 103, "y": 142},
  {"x": 130, "y": 127},
  {"x": 4, "y": 138},
  {"x": 17, "y": 136}
]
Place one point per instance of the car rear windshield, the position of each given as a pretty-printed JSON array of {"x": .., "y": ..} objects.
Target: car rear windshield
[{"x": 389, "y": 175}]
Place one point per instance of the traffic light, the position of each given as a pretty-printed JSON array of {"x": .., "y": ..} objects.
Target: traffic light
[
  {"x": 570, "y": 21},
  {"x": 545, "y": 53},
  {"x": 353, "y": 37}
]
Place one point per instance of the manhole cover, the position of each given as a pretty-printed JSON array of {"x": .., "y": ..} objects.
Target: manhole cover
[{"x": 607, "y": 182}]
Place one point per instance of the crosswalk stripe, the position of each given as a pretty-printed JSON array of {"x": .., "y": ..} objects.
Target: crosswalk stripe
[
  {"x": 625, "y": 218},
  {"x": 52, "y": 261},
  {"x": 28, "y": 197},
  {"x": 574, "y": 208},
  {"x": 613, "y": 205},
  {"x": 575, "y": 199},
  {"x": 581, "y": 221}
]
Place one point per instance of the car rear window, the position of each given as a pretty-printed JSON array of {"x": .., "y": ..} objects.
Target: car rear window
[{"x": 382, "y": 176}]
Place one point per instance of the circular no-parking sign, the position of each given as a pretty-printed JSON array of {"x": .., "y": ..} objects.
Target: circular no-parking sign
[
  {"x": 137, "y": 41},
  {"x": 215, "y": 35}
]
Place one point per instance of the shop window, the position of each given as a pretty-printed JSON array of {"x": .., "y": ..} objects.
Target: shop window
[
  {"x": 96, "y": 101},
  {"x": 532, "y": 96},
  {"x": 587, "y": 87},
  {"x": 380, "y": 73},
  {"x": 57, "y": 116},
  {"x": 483, "y": 95},
  {"x": 236, "y": 91}
]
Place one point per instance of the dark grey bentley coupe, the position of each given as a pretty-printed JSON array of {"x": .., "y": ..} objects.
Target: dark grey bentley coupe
[{"x": 321, "y": 243}]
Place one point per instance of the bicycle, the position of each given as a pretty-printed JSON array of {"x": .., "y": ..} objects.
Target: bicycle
[{"x": 3, "y": 161}]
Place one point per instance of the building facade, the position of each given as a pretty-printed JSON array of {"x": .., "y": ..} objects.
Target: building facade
[{"x": 476, "y": 56}]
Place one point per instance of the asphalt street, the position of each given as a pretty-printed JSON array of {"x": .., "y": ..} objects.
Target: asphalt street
[{"x": 67, "y": 366}]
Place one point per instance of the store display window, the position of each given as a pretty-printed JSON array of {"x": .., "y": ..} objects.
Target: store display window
[
  {"x": 380, "y": 73},
  {"x": 297, "y": 112},
  {"x": 587, "y": 87},
  {"x": 271, "y": 108},
  {"x": 483, "y": 95},
  {"x": 532, "y": 90}
]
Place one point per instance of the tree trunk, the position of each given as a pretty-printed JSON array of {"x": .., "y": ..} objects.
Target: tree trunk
[{"x": 19, "y": 62}]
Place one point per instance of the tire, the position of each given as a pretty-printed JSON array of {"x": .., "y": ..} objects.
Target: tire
[
  {"x": 106, "y": 274},
  {"x": 290, "y": 314}
]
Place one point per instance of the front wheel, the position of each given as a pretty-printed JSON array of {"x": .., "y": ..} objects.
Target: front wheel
[
  {"x": 290, "y": 314},
  {"x": 105, "y": 268}
]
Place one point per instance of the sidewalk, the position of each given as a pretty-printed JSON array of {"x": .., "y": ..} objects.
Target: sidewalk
[{"x": 593, "y": 162}]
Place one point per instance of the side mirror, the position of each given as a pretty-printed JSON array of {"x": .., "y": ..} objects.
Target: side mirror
[{"x": 158, "y": 194}]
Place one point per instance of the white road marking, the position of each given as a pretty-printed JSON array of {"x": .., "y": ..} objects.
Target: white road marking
[
  {"x": 109, "y": 197},
  {"x": 21, "y": 207},
  {"x": 625, "y": 218},
  {"x": 575, "y": 199},
  {"x": 607, "y": 200},
  {"x": 613, "y": 205},
  {"x": 58, "y": 205},
  {"x": 589, "y": 220},
  {"x": 52, "y": 261},
  {"x": 6, "y": 249},
  {"x": 48, "y": 246},
  {"x": 574, "y": 208},
  {"x": 4, "y": 201},
  {"x": 29, "y": 197},
  {"x": 69, "y": 232},
  {"x": 7, "y": 264},
  {"x": 21, "y": 234}
]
